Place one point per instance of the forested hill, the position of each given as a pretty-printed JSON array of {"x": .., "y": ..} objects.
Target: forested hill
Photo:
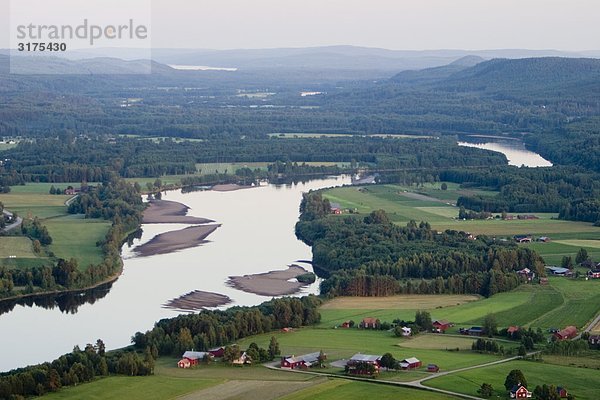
[{"x": 561, "y": 75}]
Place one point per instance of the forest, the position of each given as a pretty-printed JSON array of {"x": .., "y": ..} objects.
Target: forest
[{"x": 371, "y": 256}]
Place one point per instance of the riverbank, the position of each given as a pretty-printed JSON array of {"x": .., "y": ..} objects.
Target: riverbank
[
  {"x": 169, "y": 242},
  {"x": 197, "y": 300},
  {"x": 170, "y": 212},
  {"x": 272, "y": 283}
]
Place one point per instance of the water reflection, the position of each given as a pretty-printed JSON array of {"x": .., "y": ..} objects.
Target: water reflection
[{"x": 514, "y": 150}]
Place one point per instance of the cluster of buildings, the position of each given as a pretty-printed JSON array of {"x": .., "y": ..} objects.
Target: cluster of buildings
[
  {"x": 520, "y": 392},
  {"x": 193, "y": 358}
]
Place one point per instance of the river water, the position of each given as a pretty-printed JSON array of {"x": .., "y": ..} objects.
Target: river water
[
  {"x": 514, "y": 150},
  {"x": 257, "y": 235}
]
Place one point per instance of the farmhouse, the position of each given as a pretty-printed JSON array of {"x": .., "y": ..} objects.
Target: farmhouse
[
  {"x": 346, "y": 324},
  {"x": 410, "y": 363},
  {"x": 191, "y": 358},
  {"x": 526, "y": 273},
  {"x": 562, "y": 392},
  {"x": 335, "y": 208},
  {"x": 511, "y": 330},
  {"x": 242, "y": 360},
  {"x": 472, "y": 331},
  {"x": 520, "y": 392},
  {"x": 594, "y": 340},
  {"x": 355, "y": 364},
  {"x": 302, "y": 362},
  {"x": 370, "y": 323},
  {"x": 568, "y": 333},
  {"x": 522, "y": 238},
  {"x": 593, "y": 274},
  {"x": 406, "y": 331},
  {"x": 543, "y": 239},
  {"x": 441, "y": 325}
]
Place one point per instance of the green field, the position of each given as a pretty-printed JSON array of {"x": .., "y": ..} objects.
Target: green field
[
  {"x": 72, "y": 235},
  {"x": 336, "y": 389},
  {"x": 436, "y": 206},
  {"x": 583, "y": 383},
  {"x": 138, "y": 387},
  {"x": 343, "y": 343},
  {"x": 19, "y": 247},
  {"x": 75, "y": 237}
]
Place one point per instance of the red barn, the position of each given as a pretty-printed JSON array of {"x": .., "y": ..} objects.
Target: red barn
[
  {"x": 301, "y": 362},
  {"x": 568, "y": 333},
  {"x": 562, "y": 392},
  {"x": 346, "y": 324},
  {"x": 191, "y": 358},
  {"x": 217, "y": 352},
  {"x": 441, "y": 325}
]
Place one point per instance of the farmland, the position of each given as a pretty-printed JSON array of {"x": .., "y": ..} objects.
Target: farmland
[
  {"x": 436, "y": 206},
  {"x": 72, "y": 236},
  {"x": 583, "y": 383}
]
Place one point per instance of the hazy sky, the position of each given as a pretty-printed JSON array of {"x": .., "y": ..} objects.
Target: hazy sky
[{"x": 414, "y": 24}]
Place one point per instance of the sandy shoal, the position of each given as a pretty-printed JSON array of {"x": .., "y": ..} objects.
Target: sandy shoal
[
  {"x": 169, "y": 242},
  {"x": 229, "y": 187},
  {"x": 170, "y": 212},
  {"x": 272, "y": 283},
  {"x": 198, "y": 300}
]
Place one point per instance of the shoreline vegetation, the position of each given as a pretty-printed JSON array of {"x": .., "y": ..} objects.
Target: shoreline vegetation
[
  {"x": 197, "y": 300},
  {"x": 272, "y": 283},
  {"x": 230, "y": 187}
]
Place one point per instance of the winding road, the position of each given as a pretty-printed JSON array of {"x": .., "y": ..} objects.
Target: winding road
[{"x": 14, "y": 224}]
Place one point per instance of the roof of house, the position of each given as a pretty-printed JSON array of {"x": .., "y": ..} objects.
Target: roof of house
[
  {"x": 517, "y": 387},
  {"x": 441, "y": 322},
  {"x": 306, "y": 358},
  {"x": 595, "y": 337},
  {"x": 365, "y": 357},
  {"x": 558, "y": 270},
  {"x": 524, "y": 271},
  {"x": 569, "y": 330},
  {"x": 476, "y": 328},
  {"x": 333, "y": 206},
  {"x": 411, "y": 360},
  {"x": 406, "y": 329},
  {"x": 513, "y": 329},
  {"x": 194, "y": 355}
]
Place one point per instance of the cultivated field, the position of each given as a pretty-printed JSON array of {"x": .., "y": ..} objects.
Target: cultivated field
[
  {"x": 72, "y": 235},
  {"x": 437, "y": 207},
  {"x": 402, "y": 302},
  {"x": 583, "y": 383}
]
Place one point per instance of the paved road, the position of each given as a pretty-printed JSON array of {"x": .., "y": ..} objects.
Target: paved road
[{"x": 589, "y": 327}]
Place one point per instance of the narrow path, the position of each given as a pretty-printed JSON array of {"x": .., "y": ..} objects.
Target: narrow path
[{"x": 589, "y": 327}]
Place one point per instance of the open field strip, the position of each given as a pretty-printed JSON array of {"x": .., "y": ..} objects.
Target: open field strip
[
  {"x": 398, "y": 302},
  {"x": 402, "y": 206},
  {"x": 20, "y": 247},
  {"x": 583, "y": 383},
  {"x": 73, "y": 236}
]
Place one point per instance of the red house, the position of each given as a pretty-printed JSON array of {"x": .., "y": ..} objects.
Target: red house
[
  {"x": 562, "y": 392},
  {"x": 593, "y": 274},
  {"x": 441, "y": 325},
  {"x": 512, "y": 330},
  {"x": 370, "y": 323},
  {"x": 191, "y": 358},
  {"x": 520, "y": 392},
  {"x": 301, "y": 362},
  {"x": 345, "y": 324},
  {"x": 568, "y": 333}
]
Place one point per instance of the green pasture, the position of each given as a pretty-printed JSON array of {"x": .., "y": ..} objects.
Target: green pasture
[
  {"x": 430, "y": 203},
  {"x": 337, "y": 389},
  {"x": 75, "y": 237},
  {"x": 133, "y": 387},
  {"x": 343, "y": 343},
  {"x": 34, "y": 203},
  {"x": 583, "y": 383}
]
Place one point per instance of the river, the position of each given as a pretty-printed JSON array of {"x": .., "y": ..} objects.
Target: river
[
  {"x": 257, "y": 235},
  {"x": 514, "y": 150}
]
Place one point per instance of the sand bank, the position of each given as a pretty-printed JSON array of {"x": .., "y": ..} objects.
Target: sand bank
[
  {"x": 229, "y": 187},
  {"x": 198, "y": 300},
  {"x": 273, "y": 283},
  {"x": 170, "y": 212},
  {"x": 169, "y": 242}
]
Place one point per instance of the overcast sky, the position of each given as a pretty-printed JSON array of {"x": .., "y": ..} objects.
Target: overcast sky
[{"x": 393, "y": 24}]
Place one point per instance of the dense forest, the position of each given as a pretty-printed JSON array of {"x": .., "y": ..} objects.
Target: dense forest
[{"x": 371, "y": 256}]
